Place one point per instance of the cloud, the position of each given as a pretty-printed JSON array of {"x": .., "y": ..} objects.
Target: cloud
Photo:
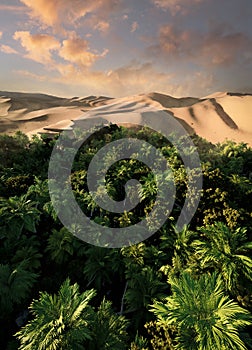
[
  {"x": 56, "y": 13},
  {"x": 12, "y": 8},
  {"x": 134, "y": 27},
  {"x": 50, "y": 12},
  {"x": 49, "y": 51},
  {"x": 134, "y": 78},
  {"x": 173, "y": 41},
  {"x": 176, "y": 6},
  {"x": 7, "y": 49},
  {"x": 214, "y": 48},
  {"x": 39, "y": 47},
  {"x": 31, "y": 75},
  {"x": 1, "y": 34},
  {"x": 102, "y": 26},
  {"x": 76, "y": 51},
  {"x": 225, "y": 48},
  {"x": 196, "y": 84}
]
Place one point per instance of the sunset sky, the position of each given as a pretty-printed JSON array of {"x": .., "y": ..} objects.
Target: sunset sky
[{"x": 124, "y": 47}]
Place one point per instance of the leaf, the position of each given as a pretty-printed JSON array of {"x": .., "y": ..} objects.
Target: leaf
[{"x": 29, "y": 223}]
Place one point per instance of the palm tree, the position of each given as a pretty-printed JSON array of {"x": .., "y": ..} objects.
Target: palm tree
[
  {"x": 182, "y": 248},
  {"x": 60, "y": 321},
  {"x": 225, "y": 250},
  {"x": 179, "y": 244},
  {"x": 204, "y": 316},
  {"x": 109, "y": 329}
]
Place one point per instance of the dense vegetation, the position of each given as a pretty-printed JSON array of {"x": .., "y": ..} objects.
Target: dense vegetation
[{"x": 176, "y": 290}]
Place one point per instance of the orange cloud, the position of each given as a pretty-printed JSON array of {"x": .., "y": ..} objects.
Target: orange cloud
[
  {"x": 1, "y": 34},
  {"x": 38, "y": 46},
  {"x": 173, "y": 41},
  {"x": 217, "y": 47},
  {"x": 31, "y": 75},
  {"x": 7, "y": 49},
  {"x": 102, "y": 26},
  {"x": 134, "y": 27},
  {"x": 12, "y": 8},
  {"x": 76, "y": 50},
  {"x": 55, "y": 13},
  {"x": 52, "y": 12},
  {"x": 137, "y": 78},
  {"x": 134, "y": 78},
  {"x": 176, "y": 6},
  {"x": 225, "y": 49}
]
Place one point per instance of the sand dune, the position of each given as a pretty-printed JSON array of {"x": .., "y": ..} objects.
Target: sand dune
[
  {"x": 219, "y": 116},
  {"x": 169, "y": 101},
  {"x": 39, "y": 113}
]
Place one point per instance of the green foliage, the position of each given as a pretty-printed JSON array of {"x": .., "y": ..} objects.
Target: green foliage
[
  {"x": 28, "y": 256},
  {"x": 205, "y": 318},
  {"x": 60, "y": 321},
  {"x": 15, "y": 286},
  {"x": 182, "y": 242},
  {"x": 226, "y": 251},
  {"x": 15, "y": 185},
  {"x": 139, "y": 343},
  {"x": 233, "y": 158},
  {"x": 100, "y": 266},
  {"x": 18, "y": 214},
  {"x": 134, "y": 255},
  {"x": 67, "y": 321},
  {"x": 109, "y": 329},
  {"x": 161, "y": 335},
  {"x": 37, "y": 254},
  {"x": 13, "y": 149},
  {"x": 61, "y": 245},
  {"x": 142, "y": 288},
  {"x": 220, "y": 201}
]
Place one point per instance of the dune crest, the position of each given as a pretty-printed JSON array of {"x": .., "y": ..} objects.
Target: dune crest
[{"x": 219, "y": 116}]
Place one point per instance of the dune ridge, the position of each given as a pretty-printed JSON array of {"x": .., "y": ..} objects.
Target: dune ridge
[{"x": 219, "y": 116}]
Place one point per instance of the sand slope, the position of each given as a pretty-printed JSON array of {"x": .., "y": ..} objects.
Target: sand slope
[
  {"x": 31, "y": 113},
  {"x": 220, "y": 116}
]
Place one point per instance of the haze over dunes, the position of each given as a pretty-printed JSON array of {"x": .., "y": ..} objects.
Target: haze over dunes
[{"x": 215, "y": 117}]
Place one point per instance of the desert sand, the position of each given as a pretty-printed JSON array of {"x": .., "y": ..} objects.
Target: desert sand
[{"x": 217, "y": 117}]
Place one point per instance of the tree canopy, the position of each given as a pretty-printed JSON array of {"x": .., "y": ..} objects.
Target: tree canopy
[{"x": 178, "y": 289}]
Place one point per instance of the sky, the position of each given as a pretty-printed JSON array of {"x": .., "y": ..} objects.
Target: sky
[{"x": 126, "y": 47}]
